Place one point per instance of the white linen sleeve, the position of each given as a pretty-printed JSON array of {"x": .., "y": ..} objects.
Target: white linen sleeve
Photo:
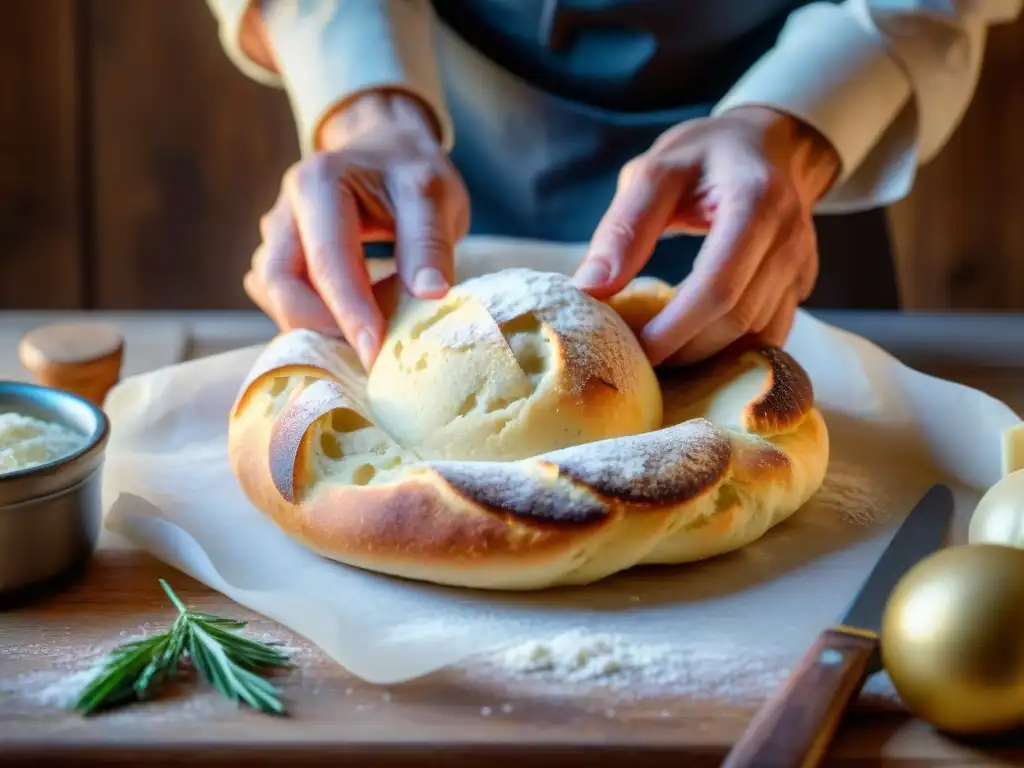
[
  {"x": 885, "y": 81},
  {"x": 329, "y": 51}
]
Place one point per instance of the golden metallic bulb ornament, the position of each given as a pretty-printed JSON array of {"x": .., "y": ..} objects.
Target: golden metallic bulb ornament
[
  {"x": 953, "y": 639},
  {"x": 999, "y": 516}
]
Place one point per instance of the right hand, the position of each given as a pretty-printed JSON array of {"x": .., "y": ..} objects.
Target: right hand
[{"x": 381, "y": 175}]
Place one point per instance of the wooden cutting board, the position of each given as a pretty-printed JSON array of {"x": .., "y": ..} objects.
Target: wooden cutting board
[{"x": 336, "y": 718}]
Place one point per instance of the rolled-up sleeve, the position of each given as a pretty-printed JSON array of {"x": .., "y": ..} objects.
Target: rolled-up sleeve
[
  {"x": 885, "y": 81},
  {"x": 327, "y": 52}
]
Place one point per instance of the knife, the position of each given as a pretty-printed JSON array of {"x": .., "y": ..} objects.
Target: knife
[{"x": 795, "y": 728}]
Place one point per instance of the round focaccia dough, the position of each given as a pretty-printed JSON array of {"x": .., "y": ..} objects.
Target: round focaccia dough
[
  {"x": 737, "y": 447},
  {"x": 507, "y": 366}
]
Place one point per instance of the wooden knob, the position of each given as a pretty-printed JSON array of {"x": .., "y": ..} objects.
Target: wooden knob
[{"x": 82, "y": 358}]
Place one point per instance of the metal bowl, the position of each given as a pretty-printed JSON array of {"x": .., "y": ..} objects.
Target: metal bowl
[{"x": 51, "y": 514}]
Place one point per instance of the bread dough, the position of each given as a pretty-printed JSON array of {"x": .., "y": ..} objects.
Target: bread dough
[
  {"x": 510, "y": 365},
  {"x": 513, "y": 436}
]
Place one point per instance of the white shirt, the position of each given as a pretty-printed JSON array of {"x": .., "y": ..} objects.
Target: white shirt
[{"x": 885, "y": 81}]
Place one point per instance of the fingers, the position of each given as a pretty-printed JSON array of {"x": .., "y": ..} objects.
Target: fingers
[
  {"x": 777, "y": 330},
  {"x": 785, "y": 268},
  {"x": 723, "y": 271},
  {"x": 328, "y": 226},
  {"x": 254, "y": 289},
  {"x": 628, "y": 232},
  {"x": 759, "y": 307},
  {"x": 757, "y": 264},
  {"x": 376, "y": 209},
  {"x": 780, "y": 318},
  {"x": 425, "y": 229},
  {"x": 310, "y": 271},
  {"x": 758, "y": 261},
  {"x": 807, "y": 275},
  {"x": 277, "y": 280}
]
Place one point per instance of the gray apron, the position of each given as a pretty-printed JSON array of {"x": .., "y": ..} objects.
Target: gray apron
[{"x": 551, "y": 98}]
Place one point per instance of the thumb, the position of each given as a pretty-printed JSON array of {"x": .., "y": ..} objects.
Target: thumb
[{"x": 628, "y": 232}]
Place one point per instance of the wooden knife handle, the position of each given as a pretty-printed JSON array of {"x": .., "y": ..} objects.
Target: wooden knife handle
[{"x": 794, "y": 729}]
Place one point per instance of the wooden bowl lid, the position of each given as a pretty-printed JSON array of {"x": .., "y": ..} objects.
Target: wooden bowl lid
[{"x": 80, "y": 357}]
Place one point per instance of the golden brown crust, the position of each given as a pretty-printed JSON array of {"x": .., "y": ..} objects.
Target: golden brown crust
[
  {"x": 742, "y": 447},
  {"x": 502, "y": 490},
  {"x": 288, "y": 432},
  {"x": 676, "y": 464},
  {"x": 788, "y": 395}
]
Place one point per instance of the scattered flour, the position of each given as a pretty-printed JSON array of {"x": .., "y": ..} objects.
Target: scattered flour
[
  {"x": 634, "y": 669},
  {"x": 59, "y": 673},
  {"x": 578, "y": 661},
  {"x": 65, "y": 690},
  {"x": 853, "y": 494},
  {"x": 571, "y": 664}
]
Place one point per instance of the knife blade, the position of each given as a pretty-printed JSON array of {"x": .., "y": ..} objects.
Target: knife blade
[{"x": 795, "y": 728}]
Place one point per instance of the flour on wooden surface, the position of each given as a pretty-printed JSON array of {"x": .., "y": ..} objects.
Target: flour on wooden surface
[
  {"x": 61, "y": 671},
  {"x": 578, "y": 661},
  {"x": 636, "y": 669}
]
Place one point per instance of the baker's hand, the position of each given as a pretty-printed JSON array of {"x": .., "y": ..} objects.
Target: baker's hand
[
  {"x": 381, "y": 175},
  {"x": 749, "y": 178}
]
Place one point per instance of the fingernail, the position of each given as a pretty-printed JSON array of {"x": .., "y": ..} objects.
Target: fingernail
[
  {"x": 429, "y": 281},
  {"x": 366, "y": 347},
  {"x": 593, "y": 274}
]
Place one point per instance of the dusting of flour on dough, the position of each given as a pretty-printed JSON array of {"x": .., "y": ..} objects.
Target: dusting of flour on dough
[
  {"x": 593, "y": 335},
  {"x": 672, "y": 463},
  {"x": 676, "y": 463}
]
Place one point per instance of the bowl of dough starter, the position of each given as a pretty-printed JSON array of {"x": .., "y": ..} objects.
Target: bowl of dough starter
[{"x": 52, "y": 446}]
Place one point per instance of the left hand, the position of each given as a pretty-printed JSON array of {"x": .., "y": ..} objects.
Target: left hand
[{"x": 749, "y": 178}]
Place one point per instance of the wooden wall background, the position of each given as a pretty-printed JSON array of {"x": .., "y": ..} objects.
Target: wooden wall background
[{"x": 131, "y": 175}]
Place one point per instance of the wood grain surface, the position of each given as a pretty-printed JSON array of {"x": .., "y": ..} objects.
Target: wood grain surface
[
  {"x": 959, "y": 235},
  {"x": 335, "y": 717},
  {"x": 452, "y": 716},
  {"x": 187, "y": 155},
  {"x": 40, "y": 141}
]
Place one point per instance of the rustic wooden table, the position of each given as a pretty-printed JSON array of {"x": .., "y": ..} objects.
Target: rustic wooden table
[{"x": 337, "y": 718}]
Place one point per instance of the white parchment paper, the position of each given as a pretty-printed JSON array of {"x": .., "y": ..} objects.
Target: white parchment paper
[{"x": 169, "y": 490}]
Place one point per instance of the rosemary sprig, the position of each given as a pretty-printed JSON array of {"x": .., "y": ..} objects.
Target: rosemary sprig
[{"x": 226, "y": 660}]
